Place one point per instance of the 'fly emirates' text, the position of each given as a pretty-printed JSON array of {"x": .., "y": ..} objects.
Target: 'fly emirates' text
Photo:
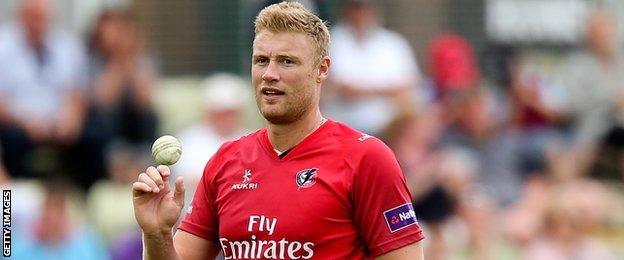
[{"x": 266, "y": 249}]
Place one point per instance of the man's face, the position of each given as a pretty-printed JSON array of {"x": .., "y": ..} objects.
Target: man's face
[
  {"x": 225, "y": 121},
  {"x": 285, "y": 76},
  {"x": 35, "y": 17},
  {"x": 602, "y": 34},
  {"x": 360, "y": 16}
]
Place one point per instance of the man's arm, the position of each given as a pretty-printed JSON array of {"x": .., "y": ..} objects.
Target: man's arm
[
  {"x": 353, "y": 92},
  {"x": 383, "y": 211},
  {"x": 190, "y": 246},
  {"x": 72, "y": 117},
  {"x": 409, "y": 252},
  {"x": 182, "y": 245},
  {"x": 159, "y": 246},
  {"x": 157, "y": 208}
]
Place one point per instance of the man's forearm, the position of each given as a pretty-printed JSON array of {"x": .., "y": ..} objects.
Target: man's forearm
[
  {"x": 159, "y": 246},
  {"x": 410, "y": 252}
]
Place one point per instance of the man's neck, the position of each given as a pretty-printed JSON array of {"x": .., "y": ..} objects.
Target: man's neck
[
  {"x": 35, "y": 40},
  {"x": 284, "y": 137}
]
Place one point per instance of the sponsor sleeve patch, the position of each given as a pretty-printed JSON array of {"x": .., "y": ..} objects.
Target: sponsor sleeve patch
[{"x": 400, "y": 217}]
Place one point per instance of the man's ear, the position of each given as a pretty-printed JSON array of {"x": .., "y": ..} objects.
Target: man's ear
[{"x": 323, "y": 69}]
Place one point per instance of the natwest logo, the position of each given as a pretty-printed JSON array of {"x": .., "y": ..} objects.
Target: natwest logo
[
  {"x": 246, "y": 184},
  {"x": 400, "y": 217}
]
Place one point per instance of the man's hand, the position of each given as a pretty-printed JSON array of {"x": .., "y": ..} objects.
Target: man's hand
[
  {"x": 38, "y": 131},
  {"x": 157, "y": 207}
]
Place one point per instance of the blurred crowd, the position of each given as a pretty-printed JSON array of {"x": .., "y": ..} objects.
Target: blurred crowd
[{"x": 503, "y": 160}]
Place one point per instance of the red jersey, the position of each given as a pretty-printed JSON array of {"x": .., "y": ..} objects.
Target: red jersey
[{"x": 338, "y": 194}]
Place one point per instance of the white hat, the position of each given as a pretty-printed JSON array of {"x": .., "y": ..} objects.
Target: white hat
[{"x": 225, "y": 91}]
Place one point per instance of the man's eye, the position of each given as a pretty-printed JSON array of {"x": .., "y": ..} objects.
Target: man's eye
[
  {"x": 288, "y": 61},
  {"x": 262, "y": 60}
]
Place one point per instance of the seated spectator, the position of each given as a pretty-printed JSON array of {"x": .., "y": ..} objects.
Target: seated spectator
[
  {"x": 57, "y": 233},
  {"x": 454, "y": 72},
  {"x": 436, "y": 179},
  {"x": 535, "y": 105},
  {"x": 568, "y": 220},
  {"x": 595, "y": 87},
  {"x": 453, "y": 64},
  {"x": 476, "y": 232},
  {"x": 42, "y": 100},
  {"x": 225, "y": 97},
  {"x": 454, "y": 175},
  {"x": 110, "y": 201},
  {"x": 477, "y": 130},
  {"x": 121, "y": 78},
  {"x": 414, "y": 139},
  {"x": 374, "y": 72}
]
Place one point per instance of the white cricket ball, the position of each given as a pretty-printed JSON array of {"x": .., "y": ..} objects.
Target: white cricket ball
[{"x": 166, "y": 150}]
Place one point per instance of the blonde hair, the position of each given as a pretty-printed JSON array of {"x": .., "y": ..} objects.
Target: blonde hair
[{"x": 294, "y": 17}]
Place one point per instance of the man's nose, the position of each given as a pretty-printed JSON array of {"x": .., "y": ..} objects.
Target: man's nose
[{"x": 271, "y": 73}]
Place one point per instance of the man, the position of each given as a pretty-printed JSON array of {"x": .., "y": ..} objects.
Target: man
[
  {"x": 41, "y": 103},
  {"x": 595, "y": 79},
  {"x": 374, "y": 72},
  {"x": 302, "y": 188},
  {"x": 595, "y": 88},
  {"x": 225, "y": 98}
]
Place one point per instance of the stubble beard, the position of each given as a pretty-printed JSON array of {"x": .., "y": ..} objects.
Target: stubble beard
[{"x": 287, "y": 113}]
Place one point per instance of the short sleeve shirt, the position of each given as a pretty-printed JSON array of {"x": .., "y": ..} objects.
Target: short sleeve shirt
[
  {"x": 338, "y": 194},
  {"x": 36, "y": 85},
  {"x": 382, "y": 59}
]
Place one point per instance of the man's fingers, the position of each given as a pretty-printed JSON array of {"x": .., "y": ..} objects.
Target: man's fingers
[
  {"x": 144, "y": 178},
  {"x": 155, "y": 175},
  {"x": 164, "y": 170},
  {"x": 178, "y": 194},
  {"x": 140, "y": 187}
]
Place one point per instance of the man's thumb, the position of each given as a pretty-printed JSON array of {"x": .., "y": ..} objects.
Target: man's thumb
[{"x": 178, "y": 194}]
